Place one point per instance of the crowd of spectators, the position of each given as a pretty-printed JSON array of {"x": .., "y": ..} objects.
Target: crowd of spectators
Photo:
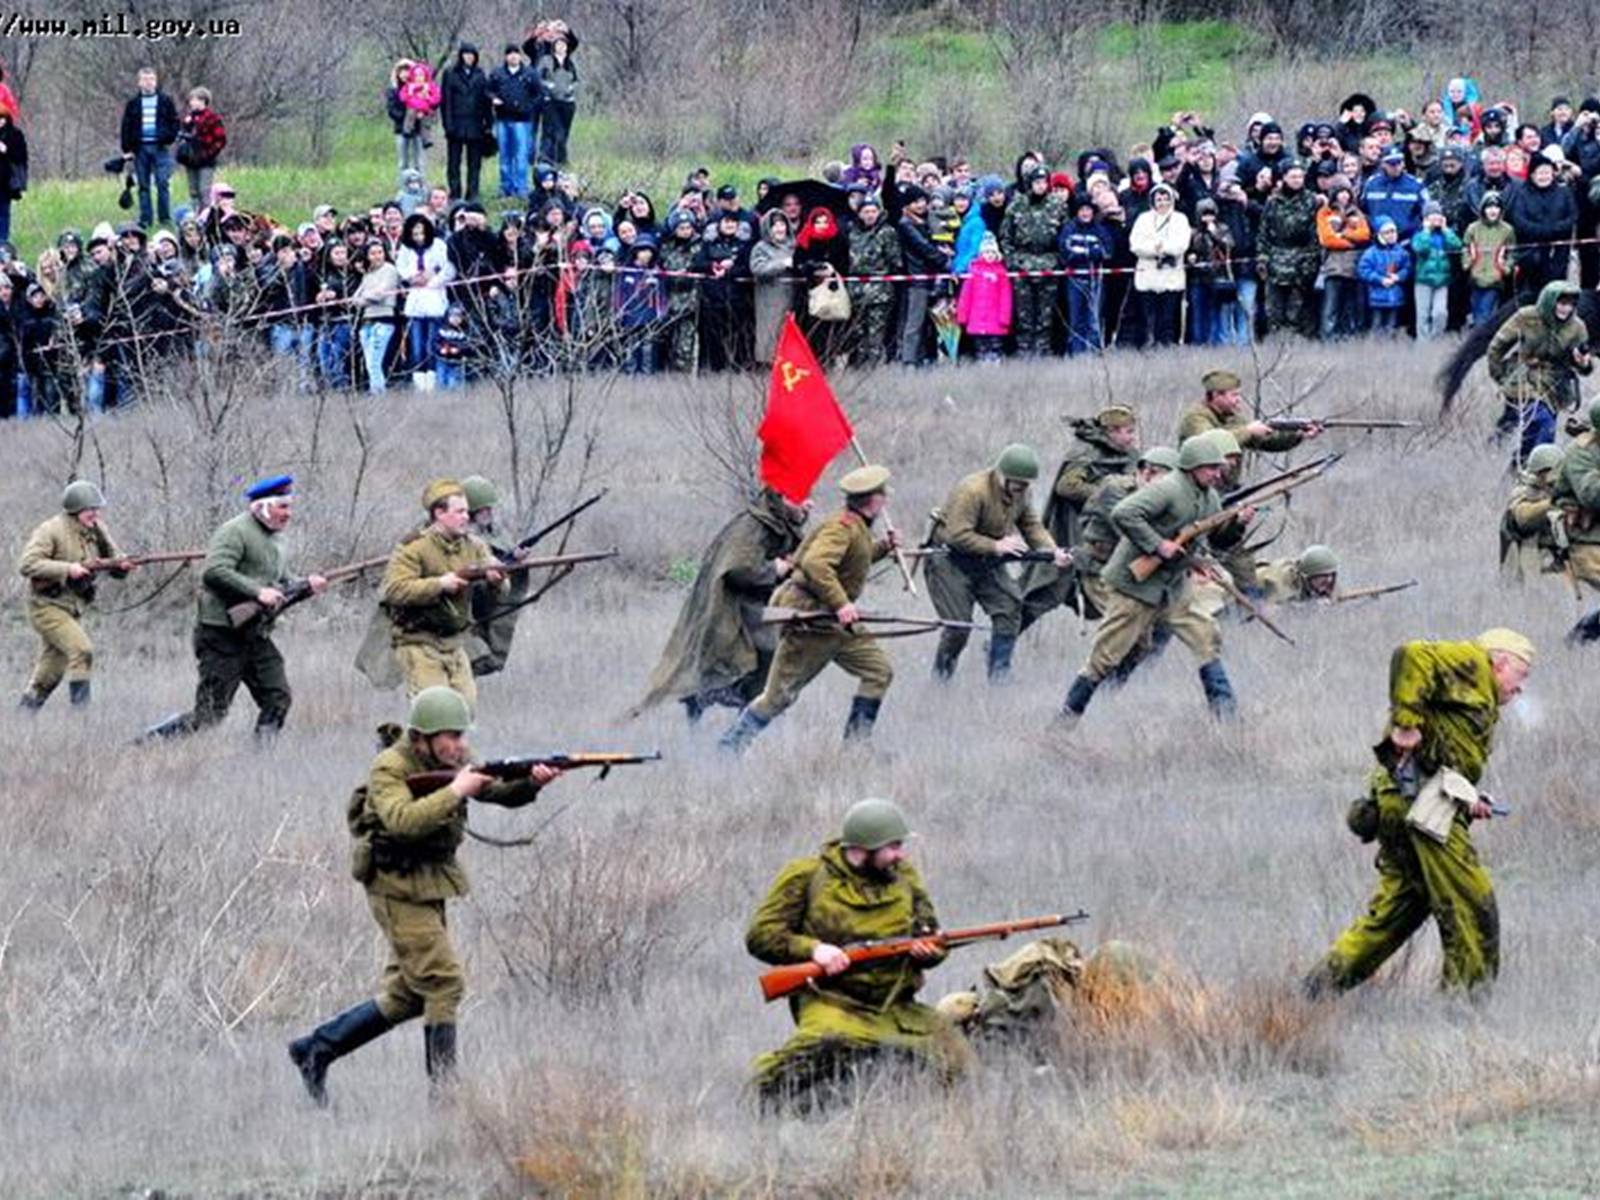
[{"x": 1372, "y": 222}]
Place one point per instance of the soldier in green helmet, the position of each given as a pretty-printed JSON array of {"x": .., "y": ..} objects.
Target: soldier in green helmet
[
  {"x": 1527, "y": 539},
  {"x": 987, "y": 519},
  {"x": 494, "y": 609},
  {"x": 404, "y": 856},
  {"x": 829, "y": 570},
  {"x": 61, "y": 589},
  {"x": 1312, "y": 575},
  {"x": 859, "y": 887},
  {"x": 1145, "y": 523},
  {"x": 1576, "y": 495}
]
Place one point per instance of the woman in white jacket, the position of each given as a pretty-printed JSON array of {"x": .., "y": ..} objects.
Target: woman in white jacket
[
  {"x": 424, "y": 266},
  {"x": 1159, "y": 239}
]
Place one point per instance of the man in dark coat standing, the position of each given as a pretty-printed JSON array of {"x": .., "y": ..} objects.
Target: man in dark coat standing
[
  {"x": 464, "y": 106},
  {"x": 149, "y": 127}
]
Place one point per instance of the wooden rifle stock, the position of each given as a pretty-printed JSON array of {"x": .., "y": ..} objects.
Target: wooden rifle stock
[
  {"x": 791, "y": 977},
  {"x": 1368, "y": 592},
  {"x": 240, "y": 615},
  {"x": 96, "y": 565}
]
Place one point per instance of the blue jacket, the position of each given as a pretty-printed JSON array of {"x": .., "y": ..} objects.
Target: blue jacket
[
  {"x": 1378, "y": 261},
  {"x": 969, "y": 240},
  {"x": 1084, "y": 246},
  {"x": 1399, "y": 199}
]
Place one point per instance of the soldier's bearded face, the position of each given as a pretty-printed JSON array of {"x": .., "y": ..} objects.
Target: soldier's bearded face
[
  {"x": 886, "y": 860},
  {"x": 1322, "y": 585}
]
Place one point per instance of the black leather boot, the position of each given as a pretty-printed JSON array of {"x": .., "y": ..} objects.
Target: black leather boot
[
  {"x": 1001, "y": 646},
  {"x": 1078, "y": 697},
  {"x": 31, "y": 701},
  {"x": 1219, "y": 691},
  {"x": 863, "y": 714},
  {"x": 349, "y": 1031},
  {"x": 439, "y": 1047},
  {"x": 743, "y": 731},
  {"x": 951, "y": 643},
  {"x": 78, "y": 692}
]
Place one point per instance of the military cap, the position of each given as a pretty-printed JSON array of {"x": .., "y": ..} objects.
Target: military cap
[
  {"x": 1018, "y": 461},
  {"x": 1160, "y": 456},
  {"x": 1200, "y": 451},
  {"x": 1220, "y": 381},
  {"x": 439, "y": 710},
  {"x": 864, "y": 481},
  {"x": 439, "y": 491},
  {"x": 1318, "y": 560},
  {"x": 1506, "y": 641},
  {"x": 272, "y": 485},
  {"x": 1116, "y": 416},
  {"x": 81, "y": 494},
  {"x": 480, "y": 492},
  {"x": 1548, "y": 457},
  {"x": 873, "y": 824}
]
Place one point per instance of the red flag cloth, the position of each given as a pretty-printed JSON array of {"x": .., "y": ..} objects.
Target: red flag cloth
[{"x": 804, "y": 427}]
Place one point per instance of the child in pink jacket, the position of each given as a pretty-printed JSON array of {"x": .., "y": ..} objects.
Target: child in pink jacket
[{"x": 984, "y": 307}]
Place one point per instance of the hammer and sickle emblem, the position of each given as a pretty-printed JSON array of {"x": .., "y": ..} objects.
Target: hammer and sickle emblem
[{"x": 792, "y": 375}]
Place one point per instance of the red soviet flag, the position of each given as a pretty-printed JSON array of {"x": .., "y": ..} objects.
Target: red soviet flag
[{"x": 804, "y": 427}]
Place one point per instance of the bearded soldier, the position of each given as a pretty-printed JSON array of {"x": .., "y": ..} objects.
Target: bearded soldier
[
  {"x": 1145, "y": 523},
  {"x": 1444, "y": 701},
  {"x": 1108, "y": 447},
  {"x": 720, "y": 650},
  {"x": 61, "y": 589},
  {"x": 987, "y": 519},
  {"x": 404, "y": 856},
  {"x": 494, "y": 609},
  {"x": 859, "y": 887},
  {"x": 1526, "y": 535},
  {"x": 428, "y": 601},
  {"x": 830, "y": 569},
  {"x": 244, "y": 563}
]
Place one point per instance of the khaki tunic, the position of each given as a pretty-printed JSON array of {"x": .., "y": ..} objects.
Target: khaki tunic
[
  {"x": 1526, "y": 542},
  {"x": 55, "y": 605},
  {"x": 429, "y": 626},
  {"x": 976, "y": 515}
]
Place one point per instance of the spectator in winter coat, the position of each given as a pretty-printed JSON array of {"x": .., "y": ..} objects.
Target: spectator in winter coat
[
  {"x": 1288, "y": 252},
  {"x": 1544, "y": 214},
  {"x": 516, "y": 98},
  {"x": 149, "y": 127},
  {"x": 983, "y": 308},
  {"x": 424, "y": 267},
  {"x": 1212, "y": 275},
  {"x": 874, "y": 250},
  {"x": 864, "y": 168},
  {"x": 201, "y": 139},
  {"x": 551, "y": 46},
  {"x": 1488, "y": 254},
  {"x": 821, "y": 254},
  {"x": 466, "y": 111},
  {"x": 411, "y": 98},
  {"x": 1435, "y": 248},
  {"x": 13, "y": 170},
  {"x": 921, "y": 256},
  {"x": 1084, "y": 245},
  {"x": 772, "y": 268},
  {"x": 1384, "y": 268},
  {"x": 1343, "y": 233},
  {"x": 1462, "y": 109},
  {"x": 1159, "y": 240},
  {"x": 1395, "y": 194}
]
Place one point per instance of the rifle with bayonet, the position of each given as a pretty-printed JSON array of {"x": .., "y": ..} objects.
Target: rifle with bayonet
[
  {"x": 505, "y": 770},
  {"x": 782, "y": 981},
  {"x": 95, "y": 565},
  {"x": 823, "y": 619},
  {"x": 1282, "y": 484},
  {"x": 1301, "y": 424},
  {"x": 1315, "y": 466},
  {"x": 566, "y": 518},
  {"x": 299, "y": 590},
  {"x": 1368, "y": 593}
]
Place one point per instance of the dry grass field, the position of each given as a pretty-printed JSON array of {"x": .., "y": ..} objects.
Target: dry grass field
[{"x": 170, "y": 916}]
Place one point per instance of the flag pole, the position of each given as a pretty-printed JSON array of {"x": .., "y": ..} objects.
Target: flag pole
[{"x": 888, "y": 524}]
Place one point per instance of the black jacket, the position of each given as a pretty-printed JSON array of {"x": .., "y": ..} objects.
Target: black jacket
[
  {"x": 16, "y": 155},
  {"x": 1542, "y": 215},
  {"x": 521, "y": 95},
  {"x": 920, "y": 253},
  {"x": 166, "y": 123},
  {"x": 464, "y": 99}
]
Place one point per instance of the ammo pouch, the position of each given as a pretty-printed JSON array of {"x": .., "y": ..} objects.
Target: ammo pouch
[
  {"x": 433, "y": 619},
  {"x": 364, "y": 829}
]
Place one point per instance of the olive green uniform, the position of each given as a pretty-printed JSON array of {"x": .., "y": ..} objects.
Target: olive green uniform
[
  {"x": 874, "y": 251},
  {"x": 1202, "y": 418},
  {"x": 1446, "y": 690},
  {"x": 830, "y": 569},
  {"x": 1530, "y": 357},
  {"x": 1282, "y": 582},
  {"x": 494, "y": 616},
  {"x": 1526, "y": 542},
  {"x": 429, "y": 626},
  {"x": 979, "y": 512},
  {"x": 868, "y": 1010},
  {"x": 1098, "y": 539},
  {"x": 720, "y": 651},
  {"x": 56, "y": 604},
  {"x": 1143, "y": 520},
  {"x": 243, "y": 557},
  {"x": 1577, "y": 494},
  {"x": 404, "y": 855},
  {"x": 1086, "y": 467}
]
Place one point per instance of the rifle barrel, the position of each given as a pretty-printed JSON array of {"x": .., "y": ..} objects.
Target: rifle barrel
[{"x": 565, "y": 518}]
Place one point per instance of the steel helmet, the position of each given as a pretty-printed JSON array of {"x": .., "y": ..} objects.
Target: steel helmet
[
  {"x": 1545, "y": 458},
  {"x": 1201, "y": 451},
  {"x": 81, "y": 494},
  {"x": 439, "y": 710},
  {"x": 873, "y": 824},
  {"x": 480, "y": 492},
  {"x": 1318, "y": 560},
  {"x": 1018, "y": 462}
]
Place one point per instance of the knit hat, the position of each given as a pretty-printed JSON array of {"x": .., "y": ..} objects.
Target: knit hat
[
  {"x": 987, "y": 243},
  {"x": 1432, "y": 209}
]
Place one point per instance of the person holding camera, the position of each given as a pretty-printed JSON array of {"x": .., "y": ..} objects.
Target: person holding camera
[{"x": 1159, "y": 240}]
